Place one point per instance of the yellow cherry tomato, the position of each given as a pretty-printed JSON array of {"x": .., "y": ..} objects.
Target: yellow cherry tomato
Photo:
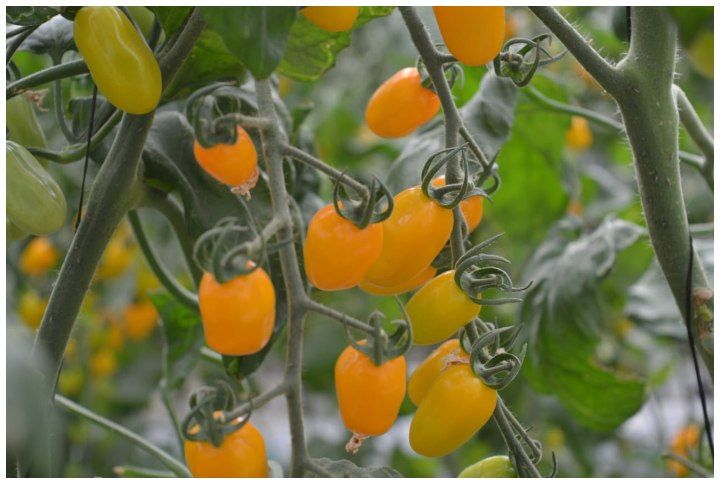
[
  {"x": 473, "y": 35},
  {"x": 120, "y": 62},
  {"x": 332, "y": 19},
  {"x": 400, "y": 105},
  {"x": 31, "y": 308},
  {"x": 38, "y": 257},
  {"x": 457, "y": 405},
  {"x": 103, "y": 363},
  {"x": 684, "y": 441},
  {"x": 579, "y": 137},
  {"x": 117, "y": 257},
  {"x": 146, "y": 282},
  {"x": 140, "y": 319},
  {"x": 232, "y": 164},
  {"x": 439, "y": 309},
  {"x": 411, "y": 284},
  {"x": 472, "y": 207},
  {"x": 413, "y": 236},
  {"x": 427, "y": 372}
]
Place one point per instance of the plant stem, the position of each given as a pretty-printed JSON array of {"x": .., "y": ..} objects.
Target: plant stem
[
  {"x": 697, "y": 131},
  {"x": 323, "y": 167},
  {"x": 38, "y": 78},
  {"x": 60, "y": 113},
  {"x": 339, "y": 316},
  {"x": 134, "y": 471},
  {"x": 693, "y": 466},
  {"x": 257, "y": 402}
]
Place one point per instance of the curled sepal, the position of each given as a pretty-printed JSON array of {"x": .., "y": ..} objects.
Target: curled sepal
[
  {"x": 450, "y": 195},
  {"x": 515, "y": 65},
  {"x": 206, "y": 420},
  {"x": 488, "y": 344},
  {"x": 378, "y": 345},
  {"x": 554, "y": 471},
  {"x": 207, "y": 110},
  {"x": 363, "y": 208},
  {"x": 498, "y": 371}
]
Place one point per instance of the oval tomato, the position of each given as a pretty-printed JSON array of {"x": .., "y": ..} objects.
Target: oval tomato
[
  {"x": 472, "y": 207},
  {"x": 400, "y": 105},
  {"x": 232, "y": 164},
  {"x": 579, "y": 137},
  {"x": 332, "y": 19},
  {"x": 31, "y": 309},
  {"x": 427, "y": 372},
  {"x": 237, "y": 316},
  {"x": 22, "y": 123},
  {"x": 140, "y": 319},
  {"x": 38, "y": 257},
  {"x": 473, "y": 35},
  {"x": 413, "y": 236},
  {"x": 337, "y": 254},
  {"x": 413, "y": 283},
  {"x": 120, "y": 62},
  {"x": 496, "y": 466}
]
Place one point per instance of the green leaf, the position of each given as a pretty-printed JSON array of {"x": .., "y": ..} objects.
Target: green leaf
[
  {"x": 692, "y": 21},
  {"x": 29, "y": 15},
  {"x": 310, "y": 50},
  {"x": 255, "y": 35},
  {"x": 171, "y": 18},
  {"x": 54, "y": 38},
  {"x": 562, "y": 314},
  {"x": 345, "y": 468}
]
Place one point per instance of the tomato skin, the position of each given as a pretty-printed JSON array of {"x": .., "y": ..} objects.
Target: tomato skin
[
  {"x": 684, "y": 441},
  {"x": 400, "y": 105},
  {"x": 22, "y": 123},
  {"x": 411, "y": 284},
  {"x": 413, "y": 236},
  {"x": 241, "y": 454},
  {"x": 237, "y": 316},
  {"x": 473, "y": 35},
  {"x": 337, "y": 254},
  {"x": 140, "y": 319},
  {"x": 234, "y": 164},
  {"x": 495, "y": 466},
  {"x": 439, "y": 309},
  {"x": 35, "y": 202},
  {"x": 331, "y": 19},
  {"x": 103, "y": 363},
  {"x": 427, "y": 372},
  {"x": 120, "y": 62},
  {"x": 457, "y": 405},
  {"x": 369, "y": 396},
  {"x": 579, "y": 137},
  {"x": 472, "y": 207},
  {"x": 38, "y": 257},
  {"x": 31, "y": 309}
]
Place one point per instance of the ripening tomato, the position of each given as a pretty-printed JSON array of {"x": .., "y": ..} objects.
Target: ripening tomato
[
  {"x": 457, "y": 405},
  {"x": 400, "y": 105},
  {"x": 413, "y": 236},
  {"x": 579, "y": 137},
  {"x": 103, "y": 363},
  {"x": 23, "y": 126},
  {"x": 38, "y": 257},
  {"x": 140, "y": 319},
  {"x": 120, "y": 62},
  {"x": 241, "y": 454},
  {"x": 337, "y": 254},
  {"x": 496, "y": 466},
  {"x": 472, "y": 207},
  {"x": 232, "y": 164},
  {"x": 31, "y": 309},
  {"x": 117, "y": 257},
  {"x": 439, "y": 309},
  {"x": 427, "y": 372},
  {"x": 237, "y": 316},
  {"x": 332, "y": 19},
  {"x": 473, "y": 35},
  {"x": 413, "y": 283},
  {"x": 369, "y": 396},
  {"x": 683, "y": 442}
]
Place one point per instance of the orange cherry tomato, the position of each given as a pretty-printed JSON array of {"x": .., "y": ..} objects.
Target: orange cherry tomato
[
  {"x": 234, "y": 164},
  {"x": 241, "y": 454},
  {"x": 413, "y": 236},
  {"x": 400, "y": 105},
  {"x": 237, "y": 316},
  {"x": 38, "y": 257},
  {"x": 338, "y": 254},
  {"x": 413, "y": 283},
  {"x": 332, "y": 19},
  {"x": 683, "y": 442},
  {"x": 473, "y": 35},
  {"x": 579, "y": 137},
  {"x": 427, "y": 372},
  {"x": 369, "y": 396},
  {"x": 140, "y": 319},
  {"x": 472, "y": 208}
]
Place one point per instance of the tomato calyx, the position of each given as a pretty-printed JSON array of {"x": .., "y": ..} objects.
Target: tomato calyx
[
  {"x": 212, "y": 415},
  {"x": 452, "y": 71},
  {"x": 363, "y": 209},
  {"x": 210, "y": 112},
  {"x": 450, "y": 194},
  {"x": 514, "y": 65},
  {"x": 378, "y": 345}
]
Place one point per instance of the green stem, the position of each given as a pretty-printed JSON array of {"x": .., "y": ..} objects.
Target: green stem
[
  {"x": 339, "y": 316},
  {"x": 258, "y": 401},
  {"x": 698, "y": 133},
  {"x": 693, "y": 466},
  {"x": 166, "y": 395},
  {"x": 68, "y": 69},
  {"x": 134, "y": 471},
  {"x": 323, "y": 167},
  {"x": 60, "y": 113}
]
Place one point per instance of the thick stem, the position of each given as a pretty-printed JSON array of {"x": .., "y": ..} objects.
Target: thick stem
[
  {"x": 323, "y": 167},
  {"x": 38, "y": 78}
]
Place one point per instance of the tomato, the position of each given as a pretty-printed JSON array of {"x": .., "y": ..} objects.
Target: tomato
[
  {"x": 457, "y": 405},
  {"x": 103, "y": 363},
  {"x": 238, "y": 315},
  {"x": 495, "y": 466},
  {"x": 413, "y": 283},
  {"x": 234, "y": 164},
  {"x": 332, "y": 19},
  {"x": 12, "y": 233},
  {"x": 684, "y": 441},
  {"x": 146, "y": 282},
  {"x": 38, "y": 257},
  {"x": 140, "y": 319},
  {"x": 120, "y": 62},
  {"x": 117, "y": 257},
  {"x": 70, "y": 382},
  {"x": 31, "y": 309},
  {"x": 22, "y": 123},
  {"x": 427, "y": 372},
  {"x": 439, "y": 309},
  {"x": 579, "y": 137},
  {"x": 472, "y": 207},
  {"x": 369, "y": 396},
  {"x": 337, "y": 254},
  {"x": 35, "y": 202},
  {"x": 413, "y": 236},
  {"x": 400, "y": 105},
  {"x": 473, "y": 35},
  {"x": 241, "y": 454}
]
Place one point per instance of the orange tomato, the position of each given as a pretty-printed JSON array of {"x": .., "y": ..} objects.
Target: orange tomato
[
  {"x": 237, "y": 316},
  {"x": 473, "y": 35},
  {"x": 140, "y": 319},
  {"x": 472, "y": 207},
  {"x": 579, "y": 137},
  {"x": 103, "y": 363},
  {"x": 400, "y": 105},
  {"x": 427, "y": 372},
  {"x": 413, "y": 236},
  {"x": 369, "y": 396},
  {"x": 338, "y": 254},
  {"x": 234, "y": 164},
  {"x": 38, "y": 257},
  {"x": 332, "y": 19},
  {"x": 31, "y": 309},
  {"x": 684, "y": 441},
  {"x": 413, "y": 283}
]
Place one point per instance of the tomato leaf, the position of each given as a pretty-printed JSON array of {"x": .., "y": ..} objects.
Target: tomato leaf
[
  {"x": 345, "y": 468},
  {"x": 171, "y": 18},
  {"x": 54, "y": 38},
  {"x": 29, "y": 15}
]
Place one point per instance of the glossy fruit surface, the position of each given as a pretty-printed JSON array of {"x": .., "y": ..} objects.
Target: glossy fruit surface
[
  {"x": 427, "y": 372},
  {"x": 472, "y": 207},
  {"x": 232, "y": 164},
  {"x": 31, "y": 308},
  {"x": 38, "y": 257},
  {"x": 369, "y": 396},
  {"x": 413, "y": 236},
  {"x": 474, "y": 35},
  {"x": 332, "y": 19},
  {"x": 496, "y": 466},
  {"x": 120, "y": 62},
  {"x": 439, "y": 309},
  {"x": 237, "y": 316},
  {"x": 140, "y": 319},
  {"x": 337, "y": 254},
  {"x": 241, "y": 454},
  {"x": 457, "y": 405},
  {"x": 400, "y": 105},
  {"x": 35, "y": 202},
  {"x": 579, "y": 137},
  {"x": 411, "y": 284},
  {"x": 22, "y": 123}
]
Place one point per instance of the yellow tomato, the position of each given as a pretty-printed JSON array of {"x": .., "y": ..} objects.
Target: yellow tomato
[
  {"x": 579, "y": 137},
  {"x": 31, "y": 308},
  {"x": 115, "y": 260},
  {"x": 413, "y": 283},
  {"x": 331, "y": 19},
  {"x": 140, "y": 319},
  {"x": 474, "y": 35},
  {"x": 683, "y": 442},
  {"x": 471, "y": 208},
  {"x": 38, "y": 257},
  {"x": 427, "y": 372},
  {"x": 103, "y": 363}
]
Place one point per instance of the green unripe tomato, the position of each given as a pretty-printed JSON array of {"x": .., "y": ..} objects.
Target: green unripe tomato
[
  {"x": 35, "y": 202},
  {"x": 495, "y": 466},
  {"x": 12, "y": 233},
  {"x": 22, "y": 124}
]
